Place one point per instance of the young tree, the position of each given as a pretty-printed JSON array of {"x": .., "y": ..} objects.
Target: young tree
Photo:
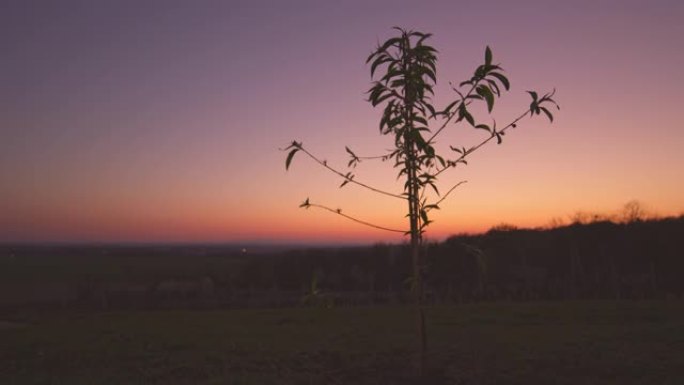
[{"x": 405, "y": 89}]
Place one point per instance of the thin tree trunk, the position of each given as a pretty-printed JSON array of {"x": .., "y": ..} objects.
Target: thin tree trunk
[
  {"x": 412, "y": 165},
  {"x": 419, "y": 299},
  {"x": 417, "y": 269}
]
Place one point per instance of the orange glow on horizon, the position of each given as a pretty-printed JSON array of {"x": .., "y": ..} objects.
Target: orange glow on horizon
[{"x": 312, "y": 226}]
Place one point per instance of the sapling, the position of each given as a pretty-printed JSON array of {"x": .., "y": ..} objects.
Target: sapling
[{"x": 404, "y": 90}]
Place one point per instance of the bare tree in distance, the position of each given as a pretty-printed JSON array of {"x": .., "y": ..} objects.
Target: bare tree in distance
[
  {"x": 633, "y": 211},
  {"x": 405, "y": 90}
]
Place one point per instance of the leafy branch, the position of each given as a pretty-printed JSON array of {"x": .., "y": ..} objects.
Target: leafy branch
[
  {"x": 295, "y": 146},
  {"x": 486, "y": 73},
  {"x": 537, "y": 107}
]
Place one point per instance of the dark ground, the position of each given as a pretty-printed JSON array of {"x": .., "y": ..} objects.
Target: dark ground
[{"x": 582, "y": 342}]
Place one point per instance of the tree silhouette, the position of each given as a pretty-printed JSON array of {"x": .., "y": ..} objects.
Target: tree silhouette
[
  {"x": 405, "y": 89},
  {"x": 633, "y": 211}
]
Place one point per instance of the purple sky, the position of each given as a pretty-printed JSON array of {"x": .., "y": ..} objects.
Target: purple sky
[{"x": 161, "y": 120}]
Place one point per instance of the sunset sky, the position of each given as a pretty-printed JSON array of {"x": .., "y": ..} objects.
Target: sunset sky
[{"x": 162, "y": 120}]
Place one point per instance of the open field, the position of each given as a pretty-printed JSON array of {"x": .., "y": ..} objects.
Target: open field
[{"x": 591, "y": 342}]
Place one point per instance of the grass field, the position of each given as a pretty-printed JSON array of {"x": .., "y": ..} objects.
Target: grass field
[{"x": 505, "y": 343}]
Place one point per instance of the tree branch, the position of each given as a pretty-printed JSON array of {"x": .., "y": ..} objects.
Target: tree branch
[
  {"x": 381, "y": 157},
  {"x": 347, "y": 178},
  {"x": 358, "y": 159},
  {"x": 463, "y": 100},
  {"x": 473, "y": 149},
  {"x": 449, "y": 192},
  {"x": 308, "y": 204}
]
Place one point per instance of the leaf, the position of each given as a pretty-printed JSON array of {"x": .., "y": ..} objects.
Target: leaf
[
  {"x": 431, "y": 109},
  {"x": 480, "y": 72},
  {"x": 464, "y": 114},
  {"x": 424, "y": 216},
  {"x": 379, "y": 61},
  {"x": 289, "y": 158},
  {"x": 488, "y": 56},
  {"x": 348, "y": 177},
  {"x": 375, "y": 91},
  {"x": 395, "y": 122},
  {"x": 502, "y": 79},
  {"x": 391, "y": 72},
  {"x": 486, "y": 93},
  {"x": 305, "y": 204},
  {"x": 430, "y": 74},
  {"x": 494, "y": 87},
  {"x": 450, "y": 106},
  {"x": 372, "y": 55},
  {"x": 386, "y": 115},
  {"x": 420, "y": 119},
  {"x": 534, "y": 108},
  {"x": 350, "y": 152},
  {"x": 389, "y": 42},
  {"x": 548, "y": 114},
  {"x": 383, "y": 121},
  {"x": 430, "y": 151},
  {"x": 484, "y": 127},
  {"x": 381, "y": 99}
]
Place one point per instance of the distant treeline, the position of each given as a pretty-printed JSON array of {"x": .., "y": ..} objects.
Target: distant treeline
[
  {"x": 640, "y": 259},
  {"x": 600, "y": 259}
]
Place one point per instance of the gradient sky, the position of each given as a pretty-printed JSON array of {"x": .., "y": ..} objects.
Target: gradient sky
[{"x": 162, "y": 120}]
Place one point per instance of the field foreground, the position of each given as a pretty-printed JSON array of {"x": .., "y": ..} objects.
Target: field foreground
[{"x": 499, "y": 343}]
